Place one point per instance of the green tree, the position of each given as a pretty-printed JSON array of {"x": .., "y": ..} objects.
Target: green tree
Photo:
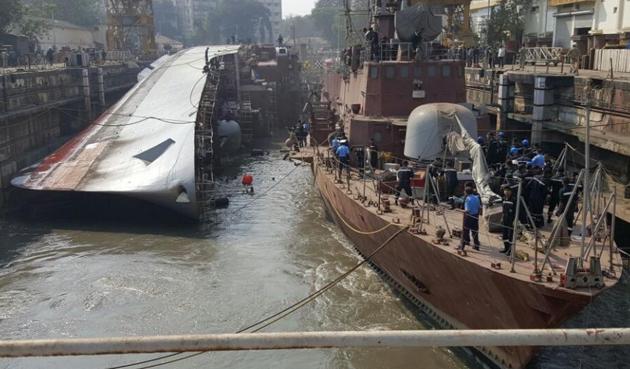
[
  {"x": 85, "y": 13},
  {"x": 81, "y": 12},
  {"x": 507, "y": 21},
  {"x": 302, "y": 26},
  {"x": 11, "y": 14},
  {"x": 30, "y": 19},
  {"x": 326, "y": 15},
  {"x": 36, "y": 19},
  {"x": 245, "y": 19}
]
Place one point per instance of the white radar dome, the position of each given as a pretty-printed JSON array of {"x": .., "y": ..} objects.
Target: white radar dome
[{"x": 429, "y": 124}]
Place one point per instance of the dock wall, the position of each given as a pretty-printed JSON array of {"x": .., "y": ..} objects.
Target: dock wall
[
  {"x": 39, "y": 110},
  {"x": 549, "y": 108}
]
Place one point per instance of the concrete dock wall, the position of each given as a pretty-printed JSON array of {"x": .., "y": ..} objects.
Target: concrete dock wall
[
  {"x": 549, "y": 107},
  {"x": 39, "y": 110}
]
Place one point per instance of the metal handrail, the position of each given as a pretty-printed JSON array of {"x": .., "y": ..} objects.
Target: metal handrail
[{"x": 314, "y": 340}]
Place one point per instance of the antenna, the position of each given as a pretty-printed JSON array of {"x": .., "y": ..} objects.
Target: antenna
[{"x": 349, "y": 28}]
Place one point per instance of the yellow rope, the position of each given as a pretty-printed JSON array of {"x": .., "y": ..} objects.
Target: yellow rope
[{"x": 355, "y": 230}]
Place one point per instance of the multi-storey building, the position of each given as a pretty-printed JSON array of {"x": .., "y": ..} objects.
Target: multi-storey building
[
  {"x": 275, "y": 11},
  {"x": 589, "y": 23}
]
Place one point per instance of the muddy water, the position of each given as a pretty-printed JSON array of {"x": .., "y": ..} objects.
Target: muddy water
[{"x": 87, "y": 278}]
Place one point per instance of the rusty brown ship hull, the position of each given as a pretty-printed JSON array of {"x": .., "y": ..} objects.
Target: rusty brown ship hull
[{"x": 456, "y": 293}]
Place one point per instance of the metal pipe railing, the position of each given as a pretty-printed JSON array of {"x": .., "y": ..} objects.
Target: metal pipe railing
[{"x": 314, "y": 340}]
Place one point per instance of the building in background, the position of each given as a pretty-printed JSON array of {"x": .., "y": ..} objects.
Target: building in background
[
  {"x": 479, "y": 13},
  {"x": 65, "y": 34},
  {"x": 275, "y": 12},
  {"x": 539, "y": 24},
  {"x": 561, "y": 23}
]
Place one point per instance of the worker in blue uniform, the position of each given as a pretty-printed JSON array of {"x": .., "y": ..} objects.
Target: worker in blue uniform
[
  {"x": 472, "y": 211},
  {"x": 538, "y": 160}
]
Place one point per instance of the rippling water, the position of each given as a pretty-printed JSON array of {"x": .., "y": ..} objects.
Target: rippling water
[{"x": 88, "y": 279}]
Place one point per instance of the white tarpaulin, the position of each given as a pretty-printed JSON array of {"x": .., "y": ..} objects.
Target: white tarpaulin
[{"x": 480, "y": 172}]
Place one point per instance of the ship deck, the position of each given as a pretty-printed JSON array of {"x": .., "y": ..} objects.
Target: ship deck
[{"x": 489, "y": 254}]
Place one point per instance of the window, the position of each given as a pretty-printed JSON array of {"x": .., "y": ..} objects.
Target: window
[
  {"x": 432, "y": 71},
  {"x": 390, "y": 72},
  {"x": 374, "y": 72},
  {"x": 404, "y": 72},
  {"x": 446, "y": 71},
  {"x": 417, "y": 71}
]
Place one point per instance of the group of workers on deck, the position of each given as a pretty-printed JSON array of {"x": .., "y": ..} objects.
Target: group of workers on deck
[{"x": 510, "y": 165}]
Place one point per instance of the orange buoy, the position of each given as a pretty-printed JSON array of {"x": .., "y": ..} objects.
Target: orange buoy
[{"x": 247, "y": 180}]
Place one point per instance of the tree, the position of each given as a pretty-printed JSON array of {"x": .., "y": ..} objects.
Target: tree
[
  {"x": 507, "y": 21},
  {"x": 244, "y": 19},
  {"x": 302, "y": 26},
  {"x": 85, "y": 13},
  {"x": 326, "y": 18},
  {"x": 35, "y": 20},
  {"x": 11, "y": 13},
  {"x": 28, "y": 19},
  {"x": 165, "y": 18}
]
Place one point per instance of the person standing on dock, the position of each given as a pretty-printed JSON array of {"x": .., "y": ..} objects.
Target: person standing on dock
[
  {"x": 501, "y": 56},
  {"x": 509, "y": 213},
  {"x": 50, "y": 55},
  {"x": 404, "y": 176},
  {"x": 472, "y": 210},
  {"x": 573, "y": 56}
]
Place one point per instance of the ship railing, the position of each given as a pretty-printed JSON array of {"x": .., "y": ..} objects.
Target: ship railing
[
  {"x": 601, "y": 230},
  {"x": 545, "y": 55},
  {"x": 313, "y": 340},
  {"x": 391, "y": 50}
]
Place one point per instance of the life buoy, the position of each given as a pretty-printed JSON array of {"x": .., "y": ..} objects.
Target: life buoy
[{"x": 247, "y": 180}]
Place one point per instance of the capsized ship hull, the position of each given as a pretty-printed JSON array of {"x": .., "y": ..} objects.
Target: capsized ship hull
[
  {"x": 454, "y": 290},
  {"x": 143, "y": 146}
]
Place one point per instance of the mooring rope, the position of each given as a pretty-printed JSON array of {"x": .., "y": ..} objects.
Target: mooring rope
[{"x": 263, "y": 323}]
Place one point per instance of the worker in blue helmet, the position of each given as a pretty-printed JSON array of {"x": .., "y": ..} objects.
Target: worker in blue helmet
[{"x": 525, "y": 143}]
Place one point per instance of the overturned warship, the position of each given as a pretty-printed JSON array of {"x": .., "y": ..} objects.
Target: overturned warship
[{"x": 157, "y": 143}]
